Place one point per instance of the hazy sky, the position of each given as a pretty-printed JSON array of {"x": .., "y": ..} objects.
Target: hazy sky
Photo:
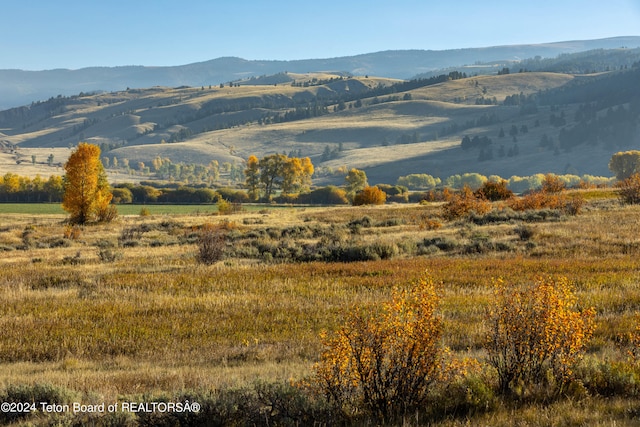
[{"x": 46, "y": 34}]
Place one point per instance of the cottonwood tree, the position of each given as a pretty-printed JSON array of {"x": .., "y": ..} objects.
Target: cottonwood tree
[
  {"x": 625, "y": 163},
  {"x": 271, "y": 172},
  {"x": 252, "y": 174},
  {"x": 86, "y": 191},
  {"x": 277, "y": 171},
  {"x": 297, "y": 174},
  {"x": 356, "y": 181}
]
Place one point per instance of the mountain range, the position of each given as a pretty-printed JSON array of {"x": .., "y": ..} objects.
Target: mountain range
[
  {"x": 19, "y": 87},
  {"x": 506, "y": 117}
]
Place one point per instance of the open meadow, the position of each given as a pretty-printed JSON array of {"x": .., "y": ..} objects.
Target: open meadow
[{"x": 128, "y": 312}]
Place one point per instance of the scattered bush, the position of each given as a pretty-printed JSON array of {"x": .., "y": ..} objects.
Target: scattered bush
[
  {"x": 226, "y": 208},
  {"x": 524, "y": 232},
  {"x": 211, "y": 244},
  {"x": 391, "y": 222},
  {"x": 609, "y": 378},
  {"x": 552, "y": 184},
  {"x": 629, "y": 190},
  {"x": 109, "y": 255},
  {"x": 429, "y": 224},
  {"x": 464, "y": 202},
  {"x": 108, "y": 214},
  {"x": 385, "y": 363},
  {"x": 480, "y": 246},
  {"x": 546, "y": 200},
  {"x": 37, "y": 393},
  {"x": 356, "y": 224},
  {"x": 73, "y": 260},
  {"x": 129, "y": 235},
  {"x": 535, "y": 336},
  {"x": 72, "y": 232},
  {"x": 442, "y": 243},
  {"x": 370, "y": 196},
  {"x": 494, "y": 191}
]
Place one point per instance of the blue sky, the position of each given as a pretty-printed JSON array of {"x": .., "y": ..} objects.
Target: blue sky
[{"x": 47, "y": 34}]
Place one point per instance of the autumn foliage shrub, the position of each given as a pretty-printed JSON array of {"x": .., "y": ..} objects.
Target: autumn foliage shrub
[
  {"x": 536, "y": 336},
  {"x": 629, "y": 190},
  {"x": 464, "y": 202},
  {"x": 552, "y": 184},
  {"x": 385, "y": 363},
  {"x": 544, "y": 200},
  {"x": 494, "y": 191},
  {"x": 72, "y": 232},
  {"x": 370, "y": 196},
  {"x": 634, "y": 341}
]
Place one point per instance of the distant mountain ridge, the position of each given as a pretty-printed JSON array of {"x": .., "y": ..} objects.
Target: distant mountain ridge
[{"x": 19, "y": 87}]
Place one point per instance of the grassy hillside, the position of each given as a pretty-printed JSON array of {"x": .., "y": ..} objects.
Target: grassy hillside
[{"x": 386, "y": 132}]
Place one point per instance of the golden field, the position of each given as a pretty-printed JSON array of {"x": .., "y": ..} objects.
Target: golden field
[{"x": 125, "y": 310}]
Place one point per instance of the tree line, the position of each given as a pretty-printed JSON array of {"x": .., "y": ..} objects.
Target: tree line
[{"x": 275, "y": 177}]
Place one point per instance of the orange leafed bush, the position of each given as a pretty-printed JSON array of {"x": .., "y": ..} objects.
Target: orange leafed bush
[
  {"x": 552, "y": 184},
  {"x": 494, "y": 191},
  {"x": 629, "y": 190},
  {"x": 370, "y": 196},
  {"x": 546, "y": 200},
  {"x": 460, "y": 204},
  {"x": 386, "y": 362},
  {"x": 534, "y": 331}
]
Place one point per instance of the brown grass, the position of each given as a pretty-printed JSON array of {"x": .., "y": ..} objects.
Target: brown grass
[{"x": 155, "y": 320}]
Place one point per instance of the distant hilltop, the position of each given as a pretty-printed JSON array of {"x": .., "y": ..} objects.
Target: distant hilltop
[{"x": 18, "y": 87}]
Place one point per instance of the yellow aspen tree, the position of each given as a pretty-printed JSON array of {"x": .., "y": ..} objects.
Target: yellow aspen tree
[{"x": 86, "y": 191}]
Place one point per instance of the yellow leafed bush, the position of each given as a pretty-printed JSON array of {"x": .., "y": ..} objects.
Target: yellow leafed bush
[
  {"x": 386, "y": 362},
  {"x": 535, "y": 331}
]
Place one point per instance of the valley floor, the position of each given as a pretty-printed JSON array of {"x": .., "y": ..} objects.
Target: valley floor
[{"x": 125, "y": 312}]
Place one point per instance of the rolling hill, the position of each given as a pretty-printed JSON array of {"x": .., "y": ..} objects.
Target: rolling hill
[{"x": 517, "y": 124}]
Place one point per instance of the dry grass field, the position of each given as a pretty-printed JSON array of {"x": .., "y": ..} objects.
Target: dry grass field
[{"x": 125, "y": 312}]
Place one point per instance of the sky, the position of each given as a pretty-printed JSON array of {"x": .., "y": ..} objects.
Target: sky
[{"x": 72, "y": 34}]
